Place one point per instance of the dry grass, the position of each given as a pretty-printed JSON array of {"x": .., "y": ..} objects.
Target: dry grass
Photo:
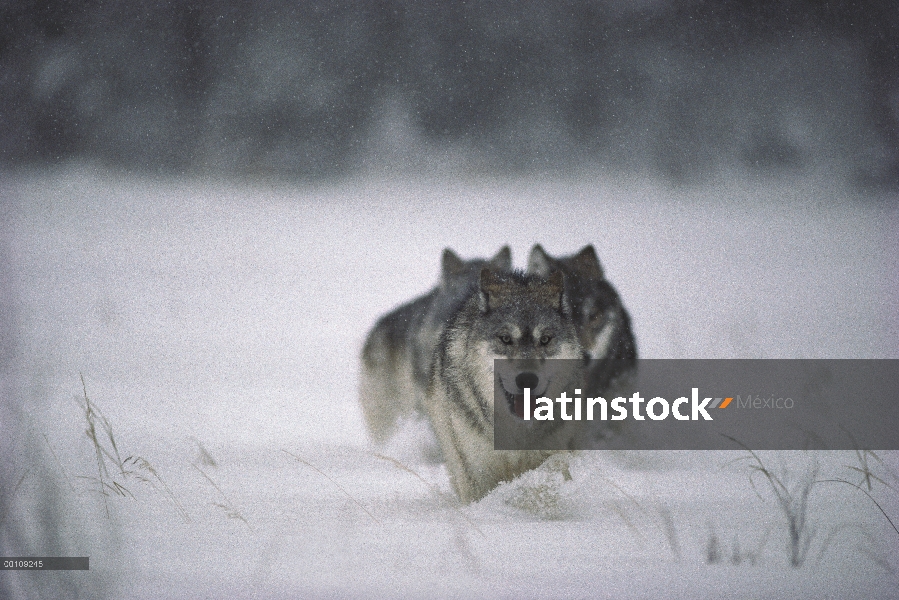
[
  {"x": 226, "y": 505},
  {"x": 792, "y": 501},
  {"x": 337, "y": 485},
  {"x": 450, "y": 501},
  {"x": 113, "y": 471}
]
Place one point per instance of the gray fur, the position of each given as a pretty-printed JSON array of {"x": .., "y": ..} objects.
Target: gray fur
[
  {"x": 604, "y": 327},
  {"x": 508, "y": 316},
  {"x": 397, "y": 355}
]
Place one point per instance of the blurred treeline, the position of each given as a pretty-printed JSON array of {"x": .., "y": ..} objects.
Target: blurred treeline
[{"x": 685, "y": 89}]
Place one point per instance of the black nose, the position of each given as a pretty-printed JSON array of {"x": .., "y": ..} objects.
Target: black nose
[{"x": 527, "y": 380}]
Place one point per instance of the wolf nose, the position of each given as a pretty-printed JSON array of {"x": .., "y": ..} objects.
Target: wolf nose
[{"x": 527, "y": 380}]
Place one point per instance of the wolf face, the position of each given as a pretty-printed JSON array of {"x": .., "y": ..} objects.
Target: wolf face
[
  {"x": 603, "y": 325},
  {"x": 396, "y": 357},
  {"x": 525, "y": 320}
]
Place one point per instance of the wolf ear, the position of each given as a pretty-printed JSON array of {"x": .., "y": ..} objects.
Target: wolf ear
[
  {"x": 502, "y": 260},
  {"x": 550, "y": 291},
  {"x": 586, "y": 264},
  {"x": 539, "y": 262},
  {"x": 489, "y": 286},
  {"x": 451, "y": 264},
  {"x": 556, "y": 290}
]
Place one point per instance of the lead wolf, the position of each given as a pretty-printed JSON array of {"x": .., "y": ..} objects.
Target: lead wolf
[
  {"x": 515, "y": 316},
  {"x": 396, "y": 358},
  {"x": 603, "y": 325}
]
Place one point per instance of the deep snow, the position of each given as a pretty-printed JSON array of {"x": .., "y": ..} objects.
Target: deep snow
[{"x": 228, "y": 318}]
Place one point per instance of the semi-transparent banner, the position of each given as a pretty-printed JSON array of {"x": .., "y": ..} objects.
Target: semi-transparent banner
[{"x": 656, "y": 404}]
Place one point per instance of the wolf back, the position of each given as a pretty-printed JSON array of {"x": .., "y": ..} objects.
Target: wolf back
[
  {"x": 397, "y": 354},
  {"x": 523, "y": 318},
  {"x": 603, "y": 324}
]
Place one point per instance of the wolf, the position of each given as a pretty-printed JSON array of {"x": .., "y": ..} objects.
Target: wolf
[
  {"x": 602, "y": 323},
  {"x": 397, "y": 354},
  {"x": 509, "y": 315}
]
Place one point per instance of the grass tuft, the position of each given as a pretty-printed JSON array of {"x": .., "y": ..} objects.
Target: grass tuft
[
  {"x": 793, "y": 503},
  {"x": 870, "y": 497},
  {"x": 226, "y": 505},
  {"x": 865, "y": 469},
  {"x": 337, "y": 485},
  {"x": 203, "y": 455},
  {"x": 112, "y": 470},
  {"x": 670, "y": 532},
  {"x": 449, "y": 500},
  {"x": 713, "y": 552}
]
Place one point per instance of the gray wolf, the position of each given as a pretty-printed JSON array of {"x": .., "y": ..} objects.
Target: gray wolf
[
  {"x": 603, "y": 325},
  {"x": 511, "y": 315},
  {"x": 396, "y": 357}
]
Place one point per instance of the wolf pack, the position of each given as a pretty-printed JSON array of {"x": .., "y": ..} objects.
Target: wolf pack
[{"x": 432, "y": 360}]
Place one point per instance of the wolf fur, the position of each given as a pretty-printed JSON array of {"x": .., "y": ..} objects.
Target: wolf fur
[
  {"x": 507, "y": 316},
  {"x": 397, "y": 354},
  {"x": 603, "y": 325}
]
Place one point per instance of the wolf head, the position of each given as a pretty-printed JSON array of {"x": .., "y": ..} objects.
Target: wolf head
[
  {"x": 595, "y": 304},
  {"x": 526, "y": 320},
  {"x": 457, "y": 278},
  {"x": 457, "y": 275}
]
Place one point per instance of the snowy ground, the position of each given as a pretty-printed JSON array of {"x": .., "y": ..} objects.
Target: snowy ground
[{"x": 221, "y": 323}]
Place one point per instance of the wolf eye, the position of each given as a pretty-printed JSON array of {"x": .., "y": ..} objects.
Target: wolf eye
[
  {"x": 545, "y": 339},
  {"x": 505, "y": 338}
]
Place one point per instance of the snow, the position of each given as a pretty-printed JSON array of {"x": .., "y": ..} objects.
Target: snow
[{"x": 226, "y": 318}]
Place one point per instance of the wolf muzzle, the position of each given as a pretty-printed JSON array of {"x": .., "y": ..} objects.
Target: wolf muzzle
[{"x": 523, "y": 380}]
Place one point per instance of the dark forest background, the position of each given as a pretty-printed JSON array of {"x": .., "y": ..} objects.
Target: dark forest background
[{"x": 681, "y": 89}]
